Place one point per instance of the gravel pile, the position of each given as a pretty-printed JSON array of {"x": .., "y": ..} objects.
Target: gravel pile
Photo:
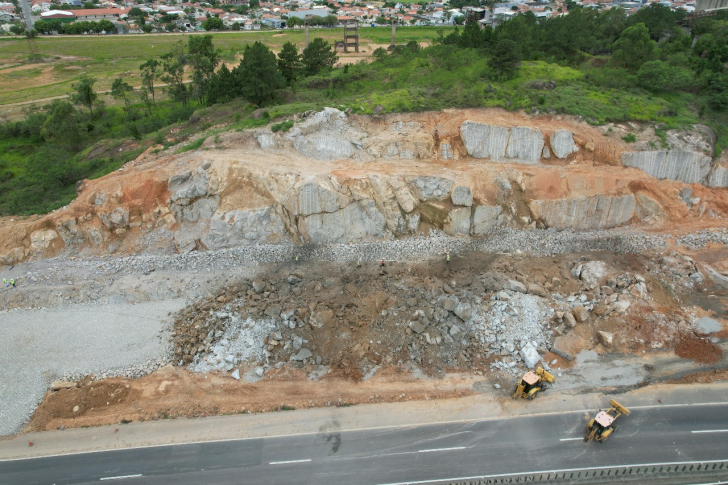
[
  {"x": 242, "y": 341},
  {"x": 511, "y": 322}
]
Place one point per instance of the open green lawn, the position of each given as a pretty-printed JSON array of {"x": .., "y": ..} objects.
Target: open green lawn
[{"x": 107, "y": 57}]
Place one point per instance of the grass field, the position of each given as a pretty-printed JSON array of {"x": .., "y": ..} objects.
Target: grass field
[{"x": 107, "y": 57}]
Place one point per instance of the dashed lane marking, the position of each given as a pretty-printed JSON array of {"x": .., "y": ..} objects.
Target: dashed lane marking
[
  {"x": 289, "y": 461},
  {"x": 442, "y": 449}
]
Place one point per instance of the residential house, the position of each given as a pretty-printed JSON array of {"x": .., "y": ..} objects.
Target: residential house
[
  {"x": 273, "y": 21},
  {"x": 6, "y": 17},
  {"x": 100, "y": 13}
]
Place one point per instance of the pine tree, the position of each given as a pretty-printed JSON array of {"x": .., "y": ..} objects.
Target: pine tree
[
  {"x": 319, "y": 55},
  {"x": 257, "y": 76},
  {"x": 289, "y": 62}
]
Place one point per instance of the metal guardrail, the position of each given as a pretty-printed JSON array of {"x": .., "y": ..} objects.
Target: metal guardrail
[{"x": 662, "y": 472}]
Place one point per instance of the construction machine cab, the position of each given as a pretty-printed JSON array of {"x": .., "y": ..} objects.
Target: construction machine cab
[
  {"x": 602, "y": 425},
  {"x": 531, "y": 383}
]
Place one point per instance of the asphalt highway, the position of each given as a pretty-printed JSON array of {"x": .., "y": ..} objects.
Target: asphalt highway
[{"x": 651, "y": 434}]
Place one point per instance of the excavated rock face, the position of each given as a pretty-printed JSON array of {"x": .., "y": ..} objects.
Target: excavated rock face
[
  {"x": 685, "y": 166},
  {"x": 598, "y": 212},
  {"x": 339, "y": 179},
  {"x": 562, "y": 144},
  {"x": 719, "y": 176},
  {"x": 242, "y": 227},
  {"x": 193, "y": 195},
  {"x": 326, "y": 135}
]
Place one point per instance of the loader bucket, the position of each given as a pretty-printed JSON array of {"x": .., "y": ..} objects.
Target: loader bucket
[
  {"x": 619, "y": 407},
  {"x": 546, "y": 376}
]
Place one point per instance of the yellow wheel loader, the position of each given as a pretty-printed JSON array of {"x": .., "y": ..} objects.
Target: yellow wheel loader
[
  {"x": 602, "y": 425},
  {"x": 531, "y": 383}
]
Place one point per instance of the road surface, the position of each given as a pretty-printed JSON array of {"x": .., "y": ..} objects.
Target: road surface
[
  {"x": 399, "y": 455},
  {"x": 29, "y": 22}
]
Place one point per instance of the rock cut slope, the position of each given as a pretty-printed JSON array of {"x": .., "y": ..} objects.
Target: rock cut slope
[{"x": 338, "y": 178}]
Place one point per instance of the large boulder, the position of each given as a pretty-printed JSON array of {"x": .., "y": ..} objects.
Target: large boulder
[
  {"x": 590, "y": 272},
  {"x": 189, "y": 185},
  {"x": 562, "y": 143},
  {"x": 430, "y": 187},
  {"x": 458, "y": 222},
  {"x": 530, "y": 356},
  {"x": 42, "y": 239},
  {"x": 462, "y": 196},
  {"x": 486, "y": 218}
]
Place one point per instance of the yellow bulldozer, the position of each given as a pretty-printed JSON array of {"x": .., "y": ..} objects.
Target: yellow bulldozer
[
  {"x": 602, "y": 425},
  {"x": 531, "y": 383}
]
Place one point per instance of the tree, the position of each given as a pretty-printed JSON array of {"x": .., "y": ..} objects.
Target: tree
[
  {"x": 213, "y": 23},
  {"x": 62, "y": 125},
  {"x": 106, "y": 26},
  {"x": 505, "y": 58},
  {"x": 472, "y": 36},
  {"x": 634, "y": 47},
  {"x": 289, "y": 62},
  {"x": 257, "y": 76},
  {"x": 294, "y": 21},
  {"x": 121, "y": 89},
  {"x": 658, "y": 19},
  {"x": 235, "y": 26},
  {"x": 149, "y": 74},
  {"x": 661, "y": 76},
  {"x": 254, "y": 4},
  {"x": 319, "y": 55},
  {"x": 17, "y": 29},
  {"x": 173, "y": 66},
  {"x": 203, "y": 58},
  {"x": 85, "y": 94},
  {"x": 222, "y": 87},
  {"x": 144, "y": 97}
]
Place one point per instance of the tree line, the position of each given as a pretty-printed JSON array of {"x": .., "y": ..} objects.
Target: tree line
[
  {"x": 75, "y": 28},
  {"x": 256, "y": 78},
  {"x": 650, "y": 45}
]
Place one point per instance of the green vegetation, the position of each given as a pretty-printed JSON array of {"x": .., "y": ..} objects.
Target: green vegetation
[
  {"x": 195, "y": 145},
  {"x": 603, "y": 66},
  {"x": 284, "y": 126},
  {"x": 107, "y": 57},
  {"x": 629, "y": 138}
]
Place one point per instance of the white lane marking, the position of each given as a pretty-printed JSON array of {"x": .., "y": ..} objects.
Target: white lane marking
[
  {"x": 442, "y": 449},
  {"x": 372, "y": 428},
  {"x": 711, "y": 431},
  {"x": 570, "y": 439},
  {"x": 482, "y": 477},
  {"x": 121, "y": 477},
  {"x": 289, "y": 461}
]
